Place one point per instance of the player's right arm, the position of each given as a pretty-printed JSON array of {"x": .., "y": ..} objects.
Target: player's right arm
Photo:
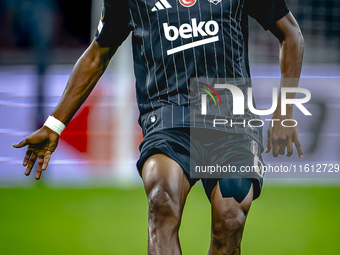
[{"x": 85, "y": 75}]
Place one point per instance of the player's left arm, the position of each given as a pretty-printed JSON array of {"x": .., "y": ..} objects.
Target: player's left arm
[{"x": 291, "y": 54}]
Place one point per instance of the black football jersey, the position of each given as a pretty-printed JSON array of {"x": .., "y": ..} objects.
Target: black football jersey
[{"x": 178, "y": 44}]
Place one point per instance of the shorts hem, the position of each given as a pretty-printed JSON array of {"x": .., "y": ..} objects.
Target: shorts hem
[{"x": 165, "y": 152}]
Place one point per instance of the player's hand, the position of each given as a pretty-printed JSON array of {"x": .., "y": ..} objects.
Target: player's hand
[
  {"x": 280, "y": 138},
  {"x": 40, "y": 144}
]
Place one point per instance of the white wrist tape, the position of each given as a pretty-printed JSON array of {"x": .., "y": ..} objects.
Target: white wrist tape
[{"x": 54, "y": 124}]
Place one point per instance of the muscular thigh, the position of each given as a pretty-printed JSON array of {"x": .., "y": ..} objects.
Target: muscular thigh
[
  {"x": 162, "y": 174},
  {"x": 228, "y": 220},
  {"x": 240, "y": 158},
  {"x": 227, "y": 198}
]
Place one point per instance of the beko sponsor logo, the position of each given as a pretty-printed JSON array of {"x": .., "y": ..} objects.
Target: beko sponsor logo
[{"x": 194, "y": 29}]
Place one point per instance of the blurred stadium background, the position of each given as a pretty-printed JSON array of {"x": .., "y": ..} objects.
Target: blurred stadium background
[{"x": 91, "y": 201}]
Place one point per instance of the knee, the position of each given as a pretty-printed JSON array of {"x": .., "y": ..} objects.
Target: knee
[
  {"x": 227, "y": 225},
  {"x": 163, "y": 209}
]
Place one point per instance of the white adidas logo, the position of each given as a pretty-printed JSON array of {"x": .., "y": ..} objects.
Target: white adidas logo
[{"x": 160, "y": 5}]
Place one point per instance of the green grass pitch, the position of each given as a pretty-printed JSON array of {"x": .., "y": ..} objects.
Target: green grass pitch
[{"x": 283, "y": 221}]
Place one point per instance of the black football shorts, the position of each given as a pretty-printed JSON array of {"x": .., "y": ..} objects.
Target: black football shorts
[{"x": 211, "y": 156}]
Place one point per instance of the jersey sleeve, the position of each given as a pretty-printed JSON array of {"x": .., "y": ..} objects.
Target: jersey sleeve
[
  {"x": 266, "y": 12},
  {"x": 114, "y": 25}
]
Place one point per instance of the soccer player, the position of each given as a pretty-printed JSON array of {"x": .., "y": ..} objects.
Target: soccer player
[{"x": 180, "y": 45}]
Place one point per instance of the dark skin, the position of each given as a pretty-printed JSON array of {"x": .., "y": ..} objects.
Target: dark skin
[
  {"x": 85, "y": 75},
  {"x": 164, "y": 181},
  {"x": 167, "y": 188},
  {"x": 281, "y": 139}
]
